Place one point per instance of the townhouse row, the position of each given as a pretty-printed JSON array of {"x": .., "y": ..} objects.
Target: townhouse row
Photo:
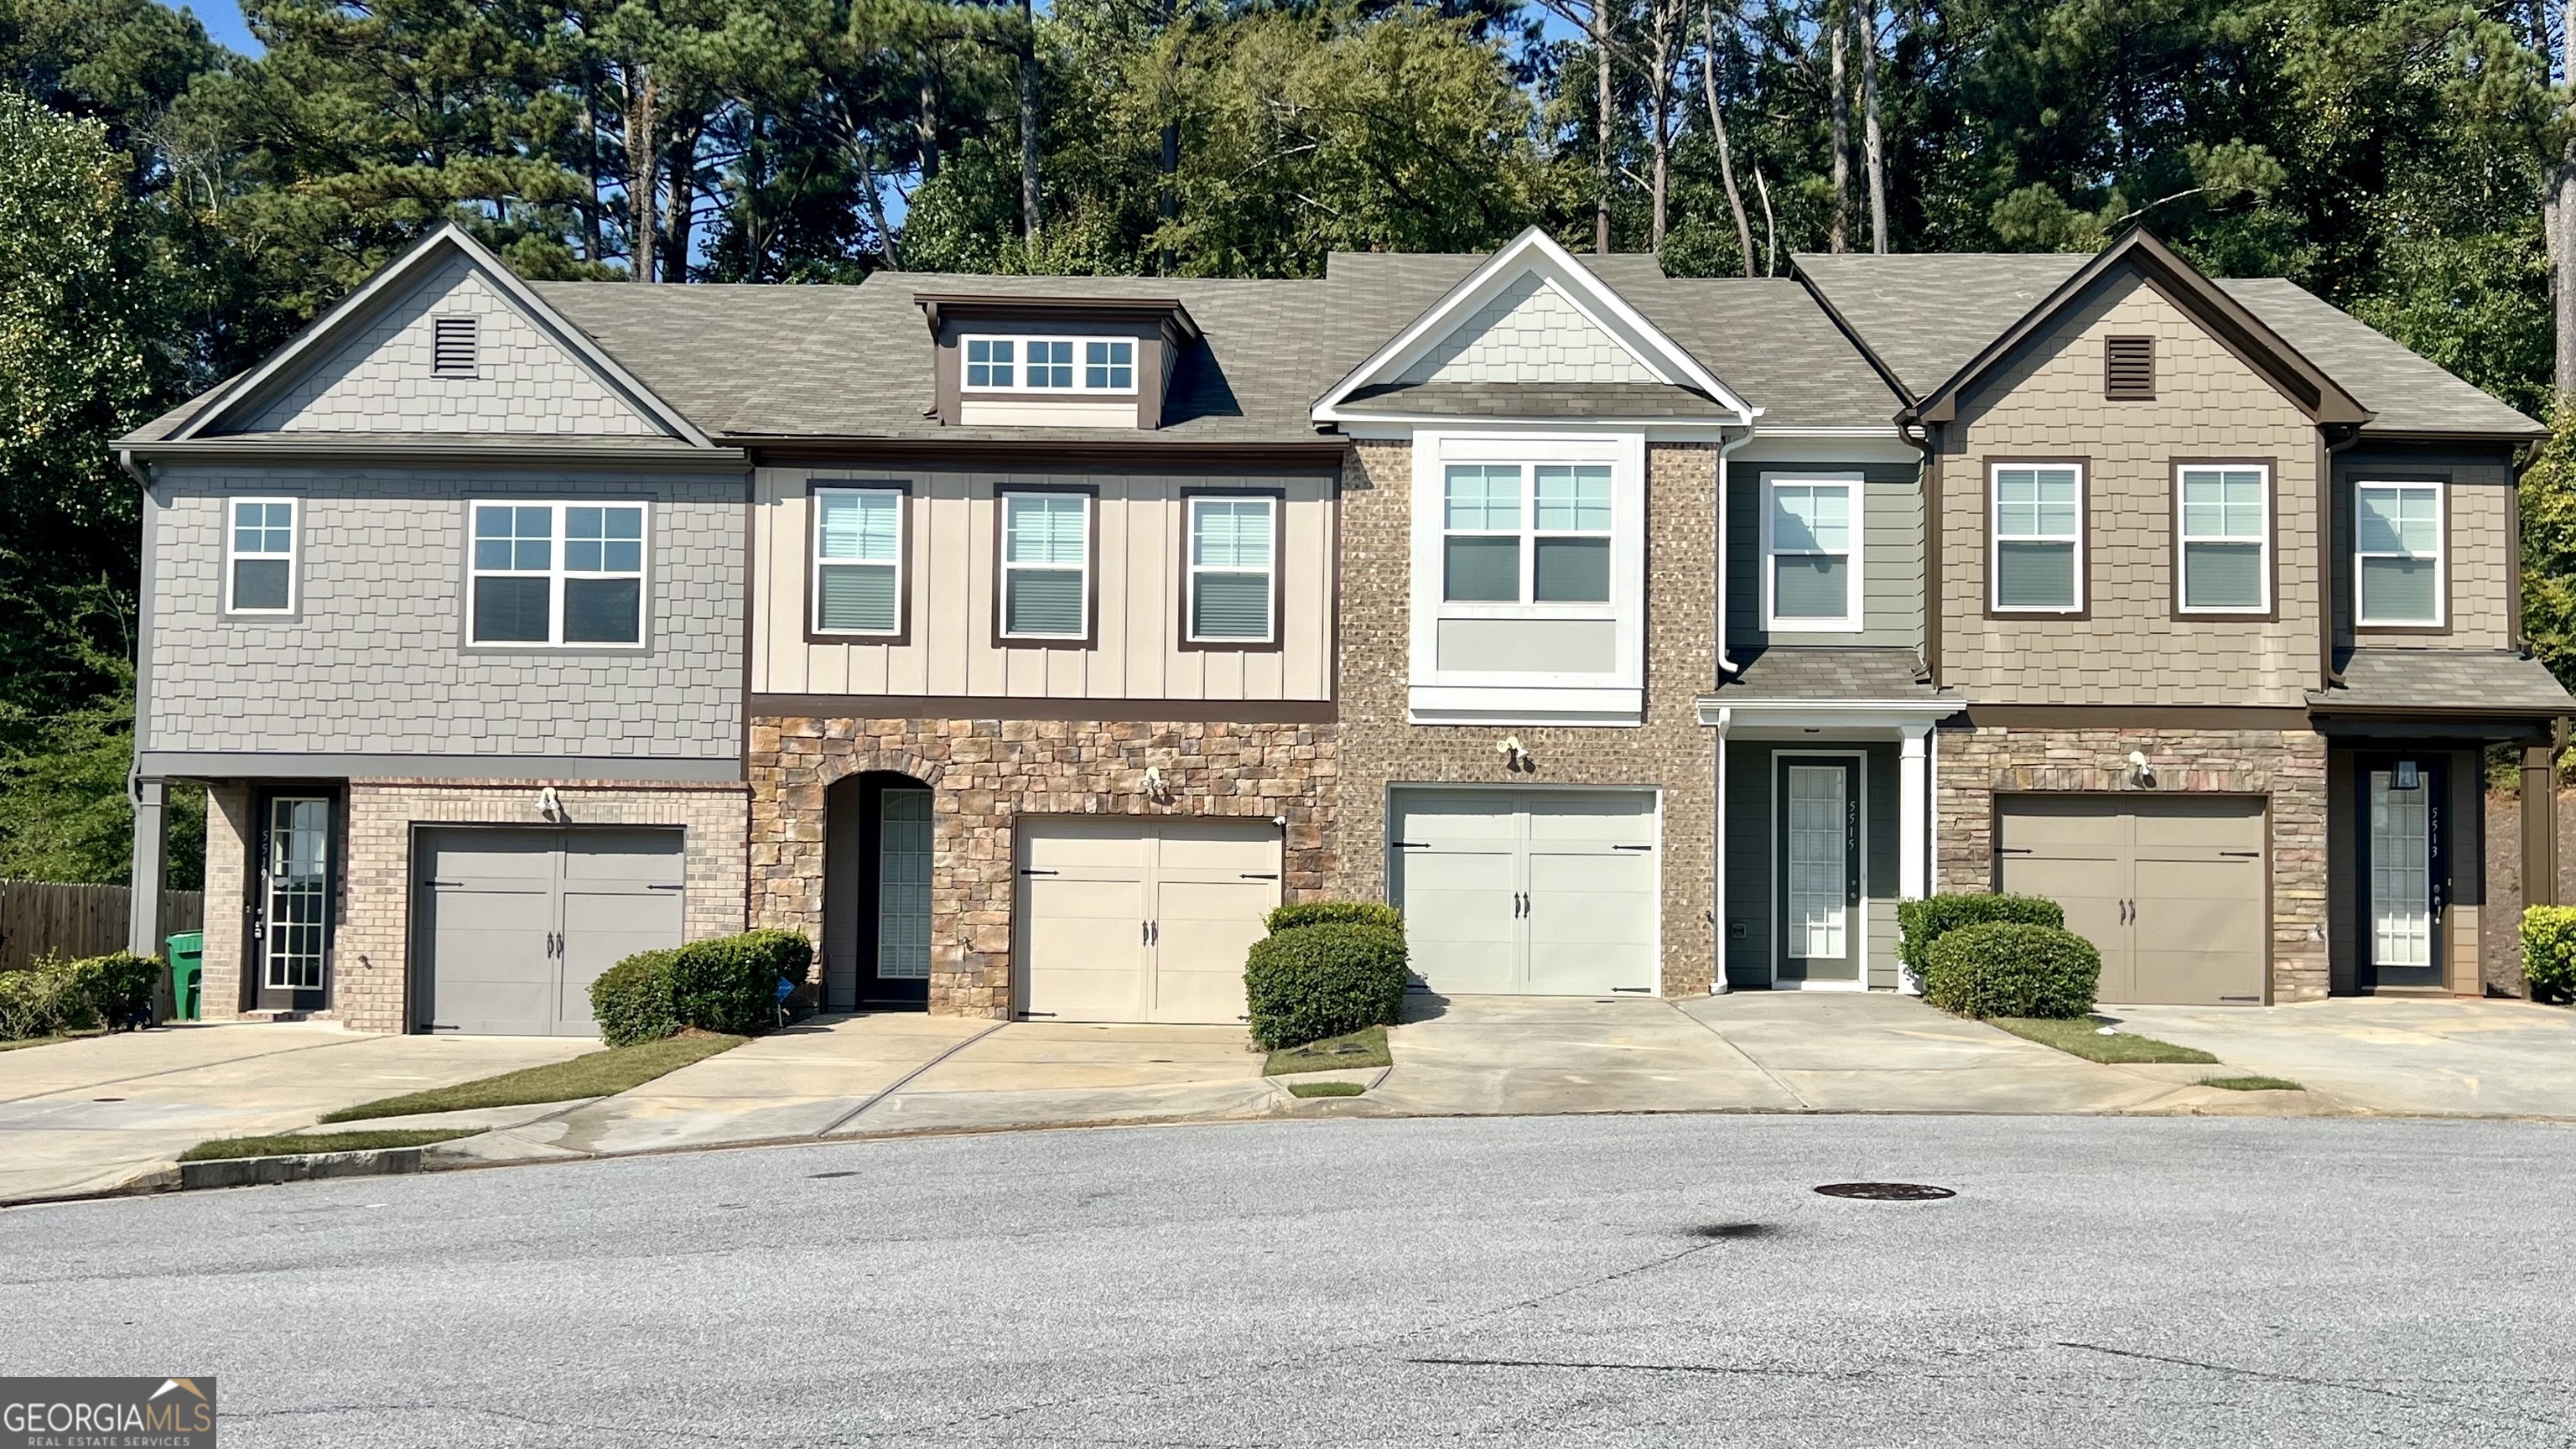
[{"x": 1024, "y": 640}]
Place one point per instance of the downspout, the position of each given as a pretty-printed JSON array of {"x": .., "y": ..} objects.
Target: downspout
[
  {"x": 1727, "y": 669},
  {"x": 1917, "y": 436},
  {"x": 142, "y": 476},
  {"x": 2327, "y": 448}
]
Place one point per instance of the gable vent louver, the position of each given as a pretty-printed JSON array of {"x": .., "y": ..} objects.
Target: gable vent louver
[
  {"x": 453, "y": 347},
  {"x": 2129, "y": 369}
]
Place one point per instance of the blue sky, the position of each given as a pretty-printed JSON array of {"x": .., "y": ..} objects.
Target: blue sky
[{"x": 223, "y": 21}]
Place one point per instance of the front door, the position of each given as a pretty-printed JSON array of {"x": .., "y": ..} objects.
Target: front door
[
  {"x": 1817, "y": 840},
  {"x": 2405, "y": 870},
  {"x": 293, "y": 924},
  {"x": 902, "y": 955}
]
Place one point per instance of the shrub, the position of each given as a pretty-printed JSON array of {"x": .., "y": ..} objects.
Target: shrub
[
  {"x": 730, "y": 984},
  {"x": 124, "y": 986},
  {"x": 2006, "y": 968},
  {"x": 96, "y": 991},
  {"x": 1336, "y": 913},
  {"x": 2549, "y": 952},
  {"x": 1920, "y": 923},
  {"x": 631, "y": 1000},
  {"x": 1315, "y": 981}
]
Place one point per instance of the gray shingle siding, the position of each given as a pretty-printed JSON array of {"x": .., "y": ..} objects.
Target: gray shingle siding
[{"x": 375, "y": 663}]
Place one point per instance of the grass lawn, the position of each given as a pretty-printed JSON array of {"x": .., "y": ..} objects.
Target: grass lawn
[
  {"x": 1325, "y": 1089},
  {"x": 286, "y": 1143},
  {"x": 2253, "y": 1084},
  {"x": 599, "y": 1074},
  {"x": 11, "y": 1046},
  {"x": 2082, "y": 1038},
  {"x": 1359, "y": 1049}
]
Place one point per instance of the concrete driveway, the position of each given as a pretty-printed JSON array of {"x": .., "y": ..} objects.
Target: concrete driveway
[
  {"x": 84, "y": 1116},
  {"x": 2391, "y": 1054}
]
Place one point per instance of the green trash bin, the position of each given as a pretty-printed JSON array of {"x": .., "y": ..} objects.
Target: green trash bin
[{"x": 187, "y": 973}]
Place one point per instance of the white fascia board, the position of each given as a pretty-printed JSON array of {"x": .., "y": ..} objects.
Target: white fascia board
[
  {"x": 1752, "y": 718},
  {"x": 1519, "y": 705},
  {"x": 1380, "y": 425},
  {"x": 1827, "y": 445}
]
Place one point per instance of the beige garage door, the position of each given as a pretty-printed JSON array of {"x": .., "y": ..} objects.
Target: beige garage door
[
  {"x": 1128, "y": 920},
  {"x": 2171, "y": 890}
]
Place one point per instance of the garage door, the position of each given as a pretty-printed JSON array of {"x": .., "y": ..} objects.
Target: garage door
[
  {"x": 517, "y": 923},
  {"x": 2171, "y": 890},
  {"x": 1128, "y": 920},
  {"x": 1527, "y": 892}
]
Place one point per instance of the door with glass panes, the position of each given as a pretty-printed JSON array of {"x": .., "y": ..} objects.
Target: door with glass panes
[
  {"x": 291, "y": 918},
  {"x": 2405, "y": 871},
  {"x": 1817, "y": 852}
]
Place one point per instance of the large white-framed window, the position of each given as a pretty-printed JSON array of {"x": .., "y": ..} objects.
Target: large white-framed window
[
  {"x": 1233, "y": 569},
  {"x": 1811, "y": 553},
  {"x": 2398, "y": 562},
  {"x": 1046, "y": 565},
  {"x": 2224, "y": 537},
  {"x": 2037, "y": 531},
  {"x": 260, "y": 555},
  {"x": 1525, "y": 533},
  {"x": 556, "y": 575},
  {"x": 858, "y": 585},
  {"x": 1019, "y": 363}
]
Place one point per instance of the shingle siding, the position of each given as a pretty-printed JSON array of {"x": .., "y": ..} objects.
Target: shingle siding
[{"x": 1528, "y": 333}]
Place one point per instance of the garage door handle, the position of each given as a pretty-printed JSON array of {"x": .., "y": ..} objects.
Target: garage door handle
[
  {"x": 1410, "y": 844},
  {"x": 2016, "y": 850},
  {"x": 1041, "y": 872},
  {"x": 657, "y": 886},
  {"x": 2243, "y": 854},
  {"x": 1632, "y": 847},
  {"x": 1259, "y": 875}
]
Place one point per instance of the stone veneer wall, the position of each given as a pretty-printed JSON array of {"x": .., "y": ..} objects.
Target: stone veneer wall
[
  {"x": 984, "y": 774},
  {"x": 1671, "y": 749},
  {"x": 2287, "y": 765}
]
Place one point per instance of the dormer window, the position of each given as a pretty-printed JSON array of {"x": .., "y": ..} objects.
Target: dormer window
[
  {"x": 989, "y": 362},
  {"x": 1048, "y": 365},
  {"x": 1028, "y": 361}
]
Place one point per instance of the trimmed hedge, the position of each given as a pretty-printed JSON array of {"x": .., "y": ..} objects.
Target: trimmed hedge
[
  {"x": 1920, "y": 923},
  {"x": 1334, "y": 913},
  {"x": 2549, "y": 952},
  {"x": 631, "y": 1000},
  {"x": 729, "y": 985},
  {"x": 1309, "y": 982},
  {"x": 2007, "y": 968},
  {"x": 52, "y": 997}
]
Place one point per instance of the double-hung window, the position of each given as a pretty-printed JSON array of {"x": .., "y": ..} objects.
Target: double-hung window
[
  {"x": 557, "y": 574},
  {"x": 259, "y": 555},
  {"x": 1046, "y": 565},
  {"x": 1811, "y": 532},
  {"x": 1554, "y": 550},
  {"x": 2397, "y": 540},
  {"x": 858, "y": 561},
  {"x": 1050, "y": 364},
  {"x": 2226, "y": 539},
  {"x": 2038, "y": 555},
  {"x": 1233, "y": 568}
]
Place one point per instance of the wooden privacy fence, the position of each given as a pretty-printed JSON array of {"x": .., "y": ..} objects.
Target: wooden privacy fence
[{"x": 40, "y": 919}]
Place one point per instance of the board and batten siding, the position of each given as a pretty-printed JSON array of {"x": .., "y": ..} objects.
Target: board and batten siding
[
  {"x": 951, "y": 519},
  {"x": 1891, "y": 563}
]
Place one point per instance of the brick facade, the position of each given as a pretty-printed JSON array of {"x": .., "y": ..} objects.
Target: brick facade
[
  {"x": 1671, "y": 749},
  {"x": 2287, "y": 766},
  {"x": 984, "y": 774}
]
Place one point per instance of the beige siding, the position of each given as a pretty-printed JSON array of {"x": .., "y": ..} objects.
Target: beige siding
[
  {"x": 952, "y": 517},
  {"x": 2481, "y": 590},
  {"x": 2208, "y": 405}
]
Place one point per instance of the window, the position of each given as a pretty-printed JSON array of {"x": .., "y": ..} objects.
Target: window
[
  {"x": 858, "y": 560},
  {"x": 2226, "y": 539},
  {"x": 259, "y": 564},
  {"x": 1046, "y": 565},
  {"x": 1046, "y": 364},
  {"x": 1811, "y": 533},
  {"x": 2129, "y": 369},
  {"x": 557, "y": 573},
  {"x": 1555, "y": 552},
  {"x": 2038, "y": 538},
  {"x": 454, "y": 345},
  {"x": 2397, "y": 534},
  {"x": 1231, "y": 569}
]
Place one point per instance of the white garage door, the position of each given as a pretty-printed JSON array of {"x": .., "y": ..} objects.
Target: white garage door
[
  {"x": 1141, "y": 920},
  {"x": 516, "y": 924},
  {"x": 2171, "y": 890},
  {"x": 1527, "y": 892}
]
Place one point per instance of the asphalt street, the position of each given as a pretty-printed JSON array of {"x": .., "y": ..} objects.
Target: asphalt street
[{"x": 1518, "y": 1281}]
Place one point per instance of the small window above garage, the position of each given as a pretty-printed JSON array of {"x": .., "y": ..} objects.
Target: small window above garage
[{"x": 1055, "y": 361}]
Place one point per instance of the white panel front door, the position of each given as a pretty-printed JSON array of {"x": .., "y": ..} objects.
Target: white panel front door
[{"x": 1527, "y": 892}]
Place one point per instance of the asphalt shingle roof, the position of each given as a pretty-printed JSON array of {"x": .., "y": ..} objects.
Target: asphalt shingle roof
[
  {"x": 1803, "y": 673},
  {"x": 2465, "y": 681}
]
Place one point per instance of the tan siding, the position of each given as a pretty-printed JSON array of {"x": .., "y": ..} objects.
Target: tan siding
[{"x": 2481, "y": 593}]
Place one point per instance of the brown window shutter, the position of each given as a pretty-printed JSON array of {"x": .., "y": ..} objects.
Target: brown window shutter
[
  {"x": 452, "y": 347},
  {"x": 2129, "y": 369}
]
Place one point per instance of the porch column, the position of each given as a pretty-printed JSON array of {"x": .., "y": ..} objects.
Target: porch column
[
  {"x": 1913, "y": 801},
  {"x": 2539, "y": 829},
  {"x": 151, "y": 837}
]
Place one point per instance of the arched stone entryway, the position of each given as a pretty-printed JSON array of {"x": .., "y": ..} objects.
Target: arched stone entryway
[{"x": 877, "y": 869}]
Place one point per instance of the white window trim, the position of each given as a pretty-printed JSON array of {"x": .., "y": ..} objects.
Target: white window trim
[
  {"x": 1615, "y": 697},
  {"x": 1191, "y": 569},
  {"x": 1851, "y": 620},
  {"x": 1002, "y": 591},
  {"x": 294, "y": 558},
  {"x": 2441, "y": 555},
  {"x": 2183, "y": 539},
  {"x": 815, "y": 561},
  {"x": 557, "y": 573},
  {"x": 1020, "y": 365},
  {"x": 1996, "y": 538}
]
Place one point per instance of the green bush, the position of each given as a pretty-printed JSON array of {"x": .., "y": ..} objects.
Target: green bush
[
  {"x": 2006, "y": 968},
  {"x": 1310, "y": 982},
  {"x": 1335, "y": 913},
  {"x": 631, "y": 1000},
  {"x": 1920, "y": 923},
  {"x": 52, "y": 997},
  {"x": 2549, "y": 952},
  {"x": 730, "y": 984}
]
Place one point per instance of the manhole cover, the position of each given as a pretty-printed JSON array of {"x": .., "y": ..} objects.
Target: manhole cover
[{"x": 1887, "y": 1191}]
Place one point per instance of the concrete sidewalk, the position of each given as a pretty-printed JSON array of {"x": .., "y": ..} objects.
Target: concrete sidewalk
[
  {"x": 2391, "y": 1054},
  {"x": 84, "y": 1116}
]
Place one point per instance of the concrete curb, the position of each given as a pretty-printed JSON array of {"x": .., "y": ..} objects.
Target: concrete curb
[{"x": 298, "y": 1167}]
